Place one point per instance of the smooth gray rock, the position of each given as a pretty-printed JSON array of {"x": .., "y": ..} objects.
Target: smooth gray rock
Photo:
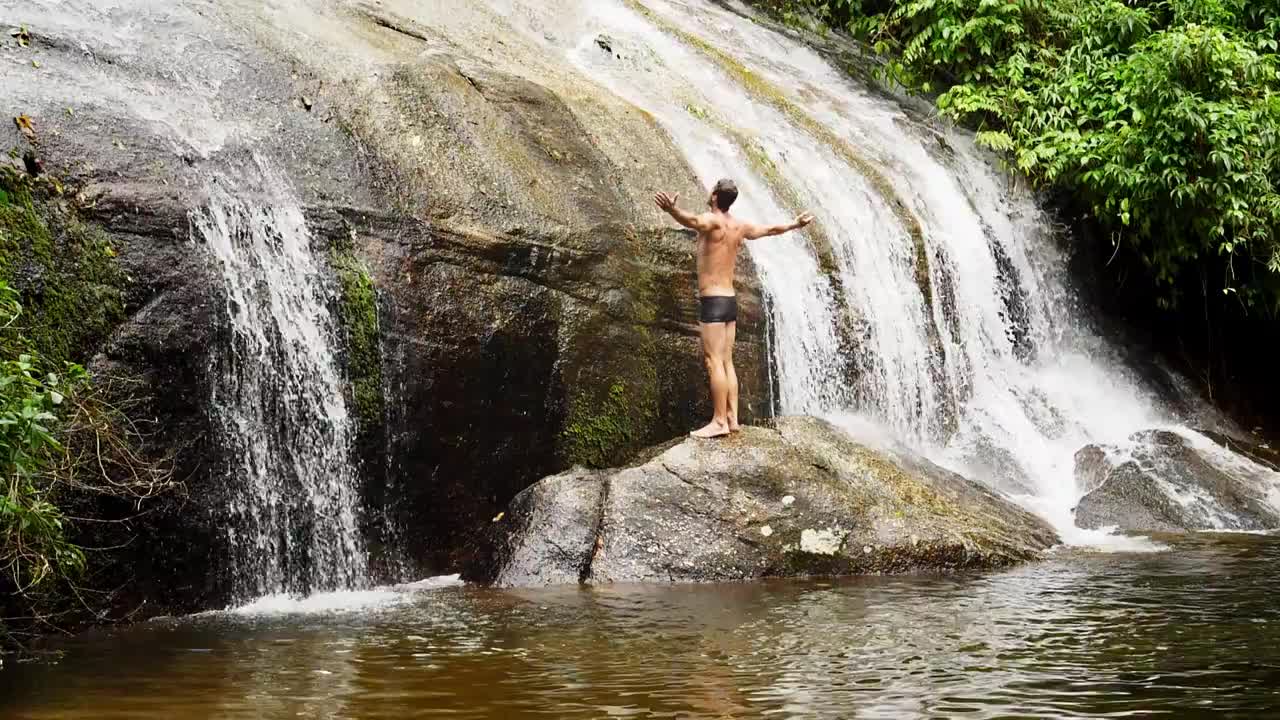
[
  {"x": 1162, "y": 482},
  {"x": 803, "y": 498},
  {"x": 557, "y": 520}
]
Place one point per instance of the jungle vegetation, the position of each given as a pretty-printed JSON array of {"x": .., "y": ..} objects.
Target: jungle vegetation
[{"x": 1160, "y": 118}]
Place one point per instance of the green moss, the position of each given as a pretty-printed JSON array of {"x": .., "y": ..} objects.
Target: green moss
[
  {"x": 65, "y": 270},
  {"x": 358, "y": 316},
  {"x": 597, "y": 436},
  {"x": 606, "y": 426},
  {"x": 612, "y": 378},
  {"x": 697, "y": 111}
]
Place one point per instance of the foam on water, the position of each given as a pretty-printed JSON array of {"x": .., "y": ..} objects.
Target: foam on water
[
  {"x": 1100, "y": 540},
  {"x": 343, "y": 601},
  {"x": 322, "y": 603}
]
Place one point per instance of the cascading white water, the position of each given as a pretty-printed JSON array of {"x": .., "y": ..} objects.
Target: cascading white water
[
  {"x": 992, "y": 377},
  {"x": 278, "y": 396}
]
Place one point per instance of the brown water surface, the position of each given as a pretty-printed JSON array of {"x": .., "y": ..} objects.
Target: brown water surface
[{"x": 1186, "y": 633}]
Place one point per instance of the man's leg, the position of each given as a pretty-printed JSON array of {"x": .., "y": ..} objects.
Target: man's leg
[
  {"x": 712, "y": 354},
  {"x": 731, "y": 375}
]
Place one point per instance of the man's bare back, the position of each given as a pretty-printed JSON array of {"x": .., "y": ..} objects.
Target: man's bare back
[
  {"x": 720, "y": 235},
  {"x": 718, "y": 253}
]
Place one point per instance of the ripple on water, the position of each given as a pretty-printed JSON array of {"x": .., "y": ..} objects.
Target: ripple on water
[{"x": 1080, "y": 635}]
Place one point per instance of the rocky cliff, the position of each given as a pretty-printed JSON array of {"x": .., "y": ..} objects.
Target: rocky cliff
[{"x": 513, "y": 304}]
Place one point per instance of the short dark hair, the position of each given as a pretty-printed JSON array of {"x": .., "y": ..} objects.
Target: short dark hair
[{"x": 726, "y": 192}]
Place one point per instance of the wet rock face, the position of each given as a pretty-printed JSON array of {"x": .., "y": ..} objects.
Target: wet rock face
[
  {"x": 550, "y": 530},
  {"x": 158, "y": 363},
  {"x": 1165, "y": 482},
  {"x": 509, "y": 368},
  {"x": 804, "y": 498},
  {"x": 535, "y": 310},
  {"x": 521, "y": 341}
]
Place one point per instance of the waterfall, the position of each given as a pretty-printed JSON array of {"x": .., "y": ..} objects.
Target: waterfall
[
  {"x": 930, "y": 299},
  {"x": 278, "y": 393}
]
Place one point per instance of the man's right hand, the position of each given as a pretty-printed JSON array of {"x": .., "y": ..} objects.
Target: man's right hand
[
  {"x": 804, "y": 219},
  {"x": 666, "y": 202}
]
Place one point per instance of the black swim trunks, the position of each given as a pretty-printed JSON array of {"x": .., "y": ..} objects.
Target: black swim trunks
[{"x": 718, "y": 309}]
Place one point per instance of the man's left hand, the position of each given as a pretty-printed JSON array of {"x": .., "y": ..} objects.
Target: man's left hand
[{"x": 666, "y": 202}]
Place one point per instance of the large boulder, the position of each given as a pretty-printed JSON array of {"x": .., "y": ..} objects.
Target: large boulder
[
  {"x": 1164, "y": 481},
  {"x": 800, "y": 498}
]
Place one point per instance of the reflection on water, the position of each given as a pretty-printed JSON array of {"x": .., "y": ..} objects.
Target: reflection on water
[{"x": 1183, "y": 633}]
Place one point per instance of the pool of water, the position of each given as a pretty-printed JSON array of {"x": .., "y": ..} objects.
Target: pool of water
[{"x": 1188, "y": 632}]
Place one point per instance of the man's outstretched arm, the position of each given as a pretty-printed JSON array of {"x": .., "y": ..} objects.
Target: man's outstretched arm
[
  {"x": 667, "y": 202},
  {"x": 755, "y": 232}
]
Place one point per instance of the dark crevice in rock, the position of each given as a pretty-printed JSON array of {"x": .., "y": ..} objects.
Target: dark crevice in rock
[
  {"x": 1016, "y": 313},
  {"x": 676, "y": 474},
  {"x": 470, "y": 79},
  {"x": 403, "y": 26},
  {"x": 598, "y": 529}
]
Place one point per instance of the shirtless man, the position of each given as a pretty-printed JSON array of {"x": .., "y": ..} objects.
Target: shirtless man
[{"x": 719, "y": 237}]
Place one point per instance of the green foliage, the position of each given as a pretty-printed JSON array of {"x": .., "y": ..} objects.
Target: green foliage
[
  {"x": 33, "y": 543},
  {"x": 72, "y": 297},
  {"x": 61, "y": 440},
  {"x": 807, "y": 12},
  {"x": 1162, "y": 116}
]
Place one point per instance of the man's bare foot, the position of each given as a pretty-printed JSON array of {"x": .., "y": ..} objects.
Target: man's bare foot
[
  {"x": 712, "y": 430},
  {"x": 734, "y": 426}
]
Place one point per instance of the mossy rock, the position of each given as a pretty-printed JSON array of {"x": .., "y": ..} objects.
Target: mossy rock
[
  {"x": 802, "y": 499},
  {"x": 597, "y": 433},
  {"x": 357, "y": 315},
  {"x": 64, "y": 270}
]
